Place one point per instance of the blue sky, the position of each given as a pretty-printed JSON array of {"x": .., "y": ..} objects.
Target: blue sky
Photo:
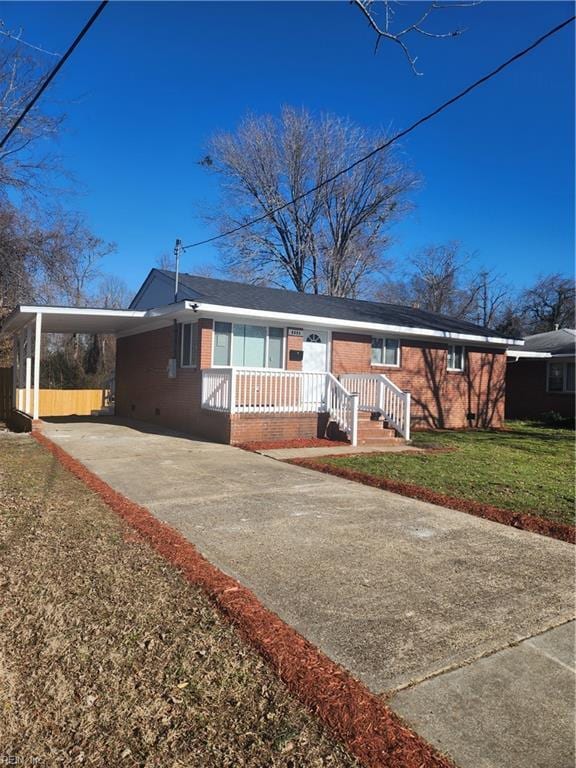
[{"x": 152, "y": 81}]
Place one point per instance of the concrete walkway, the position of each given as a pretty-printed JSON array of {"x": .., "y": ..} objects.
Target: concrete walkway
[
  {"x": 337, "y": 450},
  {"x": 396, "y": 590}
]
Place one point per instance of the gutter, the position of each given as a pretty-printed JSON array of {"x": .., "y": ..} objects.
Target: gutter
[
  {"x": 525, "y": 354},
  {"x": 348, "y": 325}
]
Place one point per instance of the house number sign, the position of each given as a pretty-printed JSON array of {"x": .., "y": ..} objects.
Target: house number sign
[{"x": 295, "y": 332}]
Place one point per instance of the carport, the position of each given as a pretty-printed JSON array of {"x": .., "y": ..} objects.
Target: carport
[{"x": 26, "y": 324}]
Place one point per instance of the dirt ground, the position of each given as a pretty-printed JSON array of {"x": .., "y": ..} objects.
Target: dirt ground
[{"x": 108, "y": 657}]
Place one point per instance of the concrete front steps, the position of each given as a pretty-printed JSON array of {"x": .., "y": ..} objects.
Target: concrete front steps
[
  {"x": 371, "y": 432},
  {"x": 376, "y": 432}
]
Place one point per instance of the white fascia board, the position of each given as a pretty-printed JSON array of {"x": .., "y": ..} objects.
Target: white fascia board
[
  {"x": 348, "y": 325},
  {"x": 24, "y": 314},
  {"x": 82, "y": 311},
  {"x": 161, "y": 317},
  {"x": 172, "y": 310},
  {"x": 526, "y": 353}
]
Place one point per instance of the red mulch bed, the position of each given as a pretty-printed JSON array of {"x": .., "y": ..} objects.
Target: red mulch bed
[
  {"x": 299, "y": 442},
  {"x": 357, "y": 717},
  {"x": 520, "y": 520}
]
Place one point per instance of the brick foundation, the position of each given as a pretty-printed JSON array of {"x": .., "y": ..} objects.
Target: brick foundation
[{"x": 249, "y": 428}]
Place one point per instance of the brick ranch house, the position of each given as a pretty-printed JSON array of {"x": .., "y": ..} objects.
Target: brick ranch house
[
  {"x": 540, "y": 378},
  {"x": 235, "y": 363}
]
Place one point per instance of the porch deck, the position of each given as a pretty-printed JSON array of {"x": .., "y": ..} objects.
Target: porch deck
[{"x": 346, "y": 401}]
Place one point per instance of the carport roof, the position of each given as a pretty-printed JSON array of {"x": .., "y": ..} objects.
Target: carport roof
[{"x": 74, "y": 319}]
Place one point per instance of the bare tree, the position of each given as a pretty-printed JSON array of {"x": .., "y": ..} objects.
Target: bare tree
[
  {"x": 382, "y": 18},
  {"x": 443, "y": 279},
  {"x": 17, "y": 37},
  {"x": 112, "y": 293},
  {"x": 549, "y": 303},
  {"x": 331, "y": 241},
  {"x": 492, "y": 298},
  {"x": 166, "y": 261},
  {"x": 25, "y": 164},
  {"x": 15, "y": 258},
  {"x": 438, "y": 281},
  {"x": 511, "y": 322},
  {"x": 71, "y": 264}
]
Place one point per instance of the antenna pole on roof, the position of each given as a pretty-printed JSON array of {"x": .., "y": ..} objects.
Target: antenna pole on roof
[
  {"x": 177, "y": 252},
  {"x": 173, "y": 362}
]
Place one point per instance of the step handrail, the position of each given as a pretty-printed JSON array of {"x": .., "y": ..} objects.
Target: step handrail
[
  {"x": 378, "y": 393},
  {"x": 343, "y": 407}
]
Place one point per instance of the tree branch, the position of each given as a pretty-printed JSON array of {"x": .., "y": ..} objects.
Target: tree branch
[{"x": 386, "y": 32}]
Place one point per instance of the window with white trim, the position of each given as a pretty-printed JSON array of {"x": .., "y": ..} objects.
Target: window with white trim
[
  {"x": 455, "y": 357},
  {"x": 188, "y": 341},
  {"x": 561, "y": 377},
  {"x": 385, "y": 351},
  {"x": 248, "y": 346}
]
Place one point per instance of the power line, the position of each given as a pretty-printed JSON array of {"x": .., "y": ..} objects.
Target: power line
[
  {"x": 54, "y": 72},
  {"x": 386, "y": 144}
]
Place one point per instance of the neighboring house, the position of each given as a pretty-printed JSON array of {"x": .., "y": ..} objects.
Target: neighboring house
[
  {"x": 540, "y": 377},
  {"x": 236, "y": 363}
]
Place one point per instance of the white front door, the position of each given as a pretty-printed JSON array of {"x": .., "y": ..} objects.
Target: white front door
[{"x": 314, "y": 360}]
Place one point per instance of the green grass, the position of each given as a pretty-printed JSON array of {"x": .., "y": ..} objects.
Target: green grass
[{"x": 526, "y": 468}]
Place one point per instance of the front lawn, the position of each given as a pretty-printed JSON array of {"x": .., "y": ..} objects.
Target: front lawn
[
  {"x": 526, "y": 468},
  {"x": 109, "y": 657}
]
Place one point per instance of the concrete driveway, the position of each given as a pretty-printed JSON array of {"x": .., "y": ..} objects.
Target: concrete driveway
[{"x": 396, "y": 590}]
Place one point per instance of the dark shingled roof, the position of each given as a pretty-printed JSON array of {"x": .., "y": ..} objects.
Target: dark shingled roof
[
  {"x": 561, "y": 342},
  {"x": 242, "y": 295}
]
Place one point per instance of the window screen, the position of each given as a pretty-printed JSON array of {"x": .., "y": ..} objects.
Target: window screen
[
  {"x": 222, "y": 335},
  {"x": 249, "y": 346},
  {"x": 570, "y": 377},
  {"x": 385, "y": 351},
  {"x": 555, "y": 377},
  {"x": 275, "y": 347},
  {"x": 188, "y": 342},
  {"x": 456, "y": 358},
  {"x": 194, "y": 346}
]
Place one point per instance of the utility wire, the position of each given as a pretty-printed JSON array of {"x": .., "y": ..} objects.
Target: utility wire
[
  {"x": 390, "y": 141},
  {"x": 46, "y": 82}
]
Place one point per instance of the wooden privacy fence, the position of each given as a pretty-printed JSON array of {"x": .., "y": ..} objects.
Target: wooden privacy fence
[
  {"x": 71, "y": 402},
  {"x": 5, "y": 393}
]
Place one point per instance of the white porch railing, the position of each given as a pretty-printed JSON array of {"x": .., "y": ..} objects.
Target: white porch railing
[
  {"x": 376, "y": 393},
  {"x": 261, "y": 390},
  {"x": 342, "y": 406},
  {"x": 217, "y": 394}
]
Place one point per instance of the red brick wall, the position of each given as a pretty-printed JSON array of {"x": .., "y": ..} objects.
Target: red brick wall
[
  {"x": 247, "y": 428},
  {"x": 526, "y": 395},
  {"x": 205, "y": 332},
  {"x": 144, "y": 391},
  {"x": 440, "y": 398},
  {"x": 293, "y": 342}
]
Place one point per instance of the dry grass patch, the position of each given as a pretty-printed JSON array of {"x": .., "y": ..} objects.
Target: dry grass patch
[{"x": 108, "y": 657}]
